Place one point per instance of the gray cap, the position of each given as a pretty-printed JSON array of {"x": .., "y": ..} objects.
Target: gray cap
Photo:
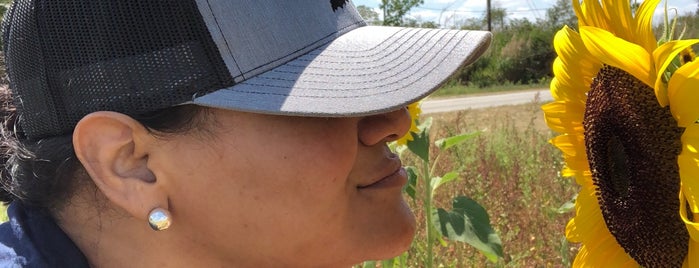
[{"x": 307, "y": 58}]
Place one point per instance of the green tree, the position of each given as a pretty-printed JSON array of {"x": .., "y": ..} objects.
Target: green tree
[
  {"x": 473, "y": 24},
  {"x": 561, "y": 14},
  {"x": 369, "y": 15},
  {"x": 527, "y": 54},
  {"x": 395, "y": 10},
  {"x": 417, "y": 23},
  {"x": 429, "y": 24},
  {"x": 498, "y": 15}
]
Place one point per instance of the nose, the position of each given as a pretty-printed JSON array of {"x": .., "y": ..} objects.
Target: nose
[{"x": 385, "y": 127}]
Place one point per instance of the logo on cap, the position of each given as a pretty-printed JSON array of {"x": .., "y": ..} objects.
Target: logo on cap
[{"x": 338, "y": 4}]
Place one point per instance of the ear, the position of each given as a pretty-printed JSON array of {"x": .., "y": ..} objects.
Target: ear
[{"x": 113, "y": 148}]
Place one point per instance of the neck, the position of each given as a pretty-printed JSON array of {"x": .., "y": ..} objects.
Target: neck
[{"x": 112, "y": 238}]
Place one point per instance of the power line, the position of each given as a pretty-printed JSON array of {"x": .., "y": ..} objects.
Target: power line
[
  {"x": 478, "y": 11},
  {"x": 532, "y": 5}
]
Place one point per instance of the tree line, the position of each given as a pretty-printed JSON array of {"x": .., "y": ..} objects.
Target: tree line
[{"x": 522, "y": 50}]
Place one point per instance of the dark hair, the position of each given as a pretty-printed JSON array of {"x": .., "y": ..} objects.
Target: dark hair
[{"x": 43, "y": 173}]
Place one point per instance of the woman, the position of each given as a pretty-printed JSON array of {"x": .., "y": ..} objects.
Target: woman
[{"x": 210, "y": 133}]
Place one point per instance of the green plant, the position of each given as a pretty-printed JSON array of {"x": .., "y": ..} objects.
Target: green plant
[{"x": 466, "y": 222}]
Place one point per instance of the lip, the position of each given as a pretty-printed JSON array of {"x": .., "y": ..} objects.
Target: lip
[{"x": 398, "y": 178}]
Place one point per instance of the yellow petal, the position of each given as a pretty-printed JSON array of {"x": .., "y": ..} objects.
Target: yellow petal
[
  {"x": 692, "y": 227},
  {"x": 688, "y": 162},
  {"x": 582, "y": 257},
  {"x": 573, "y": 148},
  {"x": 663, "y": 57},
  {"x": 582, "y": 177},
  {"x": 618, "y": 53},
  {"x": 563, "y": 117},
  {"x": 569, "y": 45},
  {"x": 573, "y": 54},
  {"x": 563, "y": 91},
  {"x": 683, "y": 94},
  {"x": 593, "y": 13},
  {"x": 692, "y": 260},
  {"x": 582, "y": 21},
  {"x": 644, "y": 24},
  {"x": 618, "y": 13},
  {"x": 588, "y": 222},
  {"x": 579, "y": 73},
  {"x": 570, "y": 144}
]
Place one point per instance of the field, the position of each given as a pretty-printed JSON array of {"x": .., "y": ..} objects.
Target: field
[
  {"x": 512, "y": 171},
  {"x": 456, "y": 89}
]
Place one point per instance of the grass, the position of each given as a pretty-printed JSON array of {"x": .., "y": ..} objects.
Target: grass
[
  {"x": 512, "y": 171},
  {"x": 455, "y": 89}
]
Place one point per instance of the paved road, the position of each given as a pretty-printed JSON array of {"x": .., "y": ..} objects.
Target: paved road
[{"x": 477, "y": 102}]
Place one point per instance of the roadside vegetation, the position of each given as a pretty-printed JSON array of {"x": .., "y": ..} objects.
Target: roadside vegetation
[
  {"x": 455, "y": 89},
  {"x": 513, "y": 172}
]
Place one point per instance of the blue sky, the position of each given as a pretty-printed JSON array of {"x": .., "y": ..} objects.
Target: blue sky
[{"x": 532, "y": 9}]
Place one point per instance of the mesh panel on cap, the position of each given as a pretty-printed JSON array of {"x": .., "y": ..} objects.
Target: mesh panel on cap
[{"x": 70, "y": 58}]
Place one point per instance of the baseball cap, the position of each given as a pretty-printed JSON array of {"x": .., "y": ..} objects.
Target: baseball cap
[{"x": 66, "y": 59}]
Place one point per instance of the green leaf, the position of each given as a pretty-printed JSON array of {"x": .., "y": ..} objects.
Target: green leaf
[
  {"x": 469, "y": 222},
  {"x": 567, "y": 206},
  {"x": 439, "y": 181},
  {"x": 390, "y": 263},
  {"x": 412, "y": 182},
  {"x": 452, "y": 141},
  {"x": 369, "y": 264},
  {"x": 420, "y": 145}
]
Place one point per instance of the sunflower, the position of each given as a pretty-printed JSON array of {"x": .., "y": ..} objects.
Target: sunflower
[
  {"x": 626, "y": 109},
  {"x": 415, "y": 111}
]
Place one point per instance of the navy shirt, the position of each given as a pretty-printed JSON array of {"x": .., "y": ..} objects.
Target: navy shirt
[{"x": 31, "y": 238}]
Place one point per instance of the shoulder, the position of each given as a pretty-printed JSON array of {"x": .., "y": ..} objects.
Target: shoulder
[
  {"x": 8, "y": 242},
  {"x": 31, "y": 238}
]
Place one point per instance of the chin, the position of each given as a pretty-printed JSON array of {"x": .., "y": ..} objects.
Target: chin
[
  {"x": 398, "y": 236},
  {"x": 404, "y": 234}
]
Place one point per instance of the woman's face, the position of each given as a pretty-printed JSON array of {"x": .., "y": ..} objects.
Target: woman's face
[{"x": 265, "y": 190}]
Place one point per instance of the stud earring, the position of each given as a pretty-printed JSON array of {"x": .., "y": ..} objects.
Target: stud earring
[{"x": 159, "y": 219}]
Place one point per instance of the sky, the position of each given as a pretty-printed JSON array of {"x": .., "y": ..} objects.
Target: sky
[{"x": 451, "y": 10}]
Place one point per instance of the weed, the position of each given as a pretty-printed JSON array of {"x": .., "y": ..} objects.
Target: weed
[{"x": 512, "y": 171}]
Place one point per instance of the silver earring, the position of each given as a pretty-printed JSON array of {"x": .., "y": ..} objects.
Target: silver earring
[{"x": 159, "y": 219}]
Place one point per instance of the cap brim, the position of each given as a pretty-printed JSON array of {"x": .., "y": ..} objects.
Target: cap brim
[{"x": 369, "y": 70}]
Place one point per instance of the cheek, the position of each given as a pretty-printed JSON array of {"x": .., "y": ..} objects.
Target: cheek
[
  {"x": 303, "y": 169},
  {"x": 304, "y": 176},
  {"x": 326, "y": 158}
]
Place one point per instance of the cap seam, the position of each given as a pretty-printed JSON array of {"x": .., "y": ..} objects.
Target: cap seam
[
  {"x": 423, "y": 56},
  {"x": 403, "y": 53},
  {"x": 415, "y": 30},
  {"x": 355, "y": 89},
  {"x": 322, "y": 40},
  {"x": 225, "y": 40},
  {"x": 377, "y": 49}
]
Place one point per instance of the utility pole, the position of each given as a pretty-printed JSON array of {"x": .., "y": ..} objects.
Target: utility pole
[
  {"x": 385, "y": 10},
  {"x": 490, "y": 26}
]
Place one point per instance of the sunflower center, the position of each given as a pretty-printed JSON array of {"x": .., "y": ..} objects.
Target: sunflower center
[
  {"x": 618, "y": 167},
  {"x": 632, "y": 145}
]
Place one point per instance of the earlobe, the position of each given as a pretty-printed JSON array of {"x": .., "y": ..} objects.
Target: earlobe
[{"x": 113, "y": 148}]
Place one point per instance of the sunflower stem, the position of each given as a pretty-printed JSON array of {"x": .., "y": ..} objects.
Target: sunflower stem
[{"x": 427, "y": 202}]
